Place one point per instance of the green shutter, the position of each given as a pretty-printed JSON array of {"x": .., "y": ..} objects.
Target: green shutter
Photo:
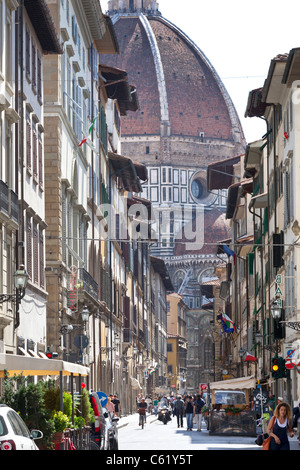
[{"x": 250, "y": 263}]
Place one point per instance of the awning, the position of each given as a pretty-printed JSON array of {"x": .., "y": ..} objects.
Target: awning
[
  {"x": 117, "y": 87},
  {"x": 159, "y": 267},
  {"x": 15, "y": 364},
  {"x": 135, "y": 384},
  {"x": 124, "y": 168},
  {"x": 245, "y": 243},
  {"x": 232, "y": 200},
  {"x": 255, "y": 106},
  {"x": 234, "y": 384},
  {"x": 239, "y": 212},
  {"x": 247, "y": 186},
  {"x": 259, "y": 202},
  {"x": 220, "y": 175},
  {"x": 207, "y": 287},
  {"x": 253, "y": 154}
]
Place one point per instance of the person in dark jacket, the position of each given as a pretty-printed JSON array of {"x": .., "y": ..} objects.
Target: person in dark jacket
[
  {"x": 199, "y": 403},
  {"x": 189, "y": 412},
  {"x": 296, "y": 420},
  {"x": 178, "y": 411}
]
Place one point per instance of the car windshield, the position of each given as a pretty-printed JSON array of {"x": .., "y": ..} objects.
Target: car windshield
[{"x": 224, "y": 397}]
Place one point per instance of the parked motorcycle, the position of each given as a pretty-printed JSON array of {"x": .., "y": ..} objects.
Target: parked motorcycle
[{"x": 164, "y": 412}]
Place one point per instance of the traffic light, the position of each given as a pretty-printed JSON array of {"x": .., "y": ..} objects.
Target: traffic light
[
  {"x": 281, "y": 365},
  {"x": 50, "y": 354},
  {"x": 279, "y": 370},
  {"x": 283, "y": 371},
  {"x": 275, "y": 367}
]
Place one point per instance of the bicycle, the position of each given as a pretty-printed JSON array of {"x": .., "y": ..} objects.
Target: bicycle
[
  {"x": 142, "y": 418},
  {"x": 93, "y": 446}
]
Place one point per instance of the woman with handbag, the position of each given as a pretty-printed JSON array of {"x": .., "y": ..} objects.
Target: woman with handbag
[{"x": 279, "y": 427}]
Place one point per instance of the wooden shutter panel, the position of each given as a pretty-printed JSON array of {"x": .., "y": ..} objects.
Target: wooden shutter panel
[
  {"x": 278, "y": 249},
  {"x": 28, "y": 142},
  {"x": 33, "y": 65},
  {"x": 27, "y": 46},
  {"x": 64, "y": 226},
  {"x": 34, "y": 154},
  {"x": 29, "y": 246},
  {"x": 39, "y": 75},
  {"x": 127, "y": 312},
  {"x": 42, "y": 258},
  {"x": 41, "y": 169},
  {"x": 35, "y": 254}
]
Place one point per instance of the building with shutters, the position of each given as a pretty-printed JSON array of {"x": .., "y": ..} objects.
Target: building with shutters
[
  {"x": 28, "y": 34},
  {"x": 258, "y": 282},
  {"x": 186, "y": 121},
  {"x": 271, "y": 160}
]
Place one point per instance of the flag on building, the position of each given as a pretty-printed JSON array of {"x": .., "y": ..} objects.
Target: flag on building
[
  {"x": 87, "y": 140},
  {"x": 227, "y": 323},
  {"x": 250, "y": 358},
  {"x": 229, "y": 252}
]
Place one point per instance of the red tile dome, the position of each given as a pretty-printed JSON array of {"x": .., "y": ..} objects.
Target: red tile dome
[{"x": 177, "y": 86}]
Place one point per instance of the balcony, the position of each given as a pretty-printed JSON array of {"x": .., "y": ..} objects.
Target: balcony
[
  {"x": 4, "y": 201},
  {"x": 9, "y": 209},
  {"x": 89, "y": 284},
  {"x": 127, "y": 335}
]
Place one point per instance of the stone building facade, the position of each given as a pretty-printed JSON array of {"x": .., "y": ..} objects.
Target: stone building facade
[{"x": 186, "y": 120}]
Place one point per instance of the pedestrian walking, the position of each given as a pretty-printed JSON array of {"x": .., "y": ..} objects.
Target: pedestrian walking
[
  {"x": 189, "y": 413},
  {"x": 117, "y": 404},
  {"x": 296, "y": 420},
  {"x": 148, "y": 400},
  {"x": 155, "y": 405},
  {"x": 199, "y": 403},
  {"x": 279, "y": 427},
  {"x": 178, "y": 411},
  {"x": 110, "y": 407}
]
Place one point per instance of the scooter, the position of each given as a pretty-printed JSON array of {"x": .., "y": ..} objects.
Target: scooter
[{"x": 164, "y": 414}]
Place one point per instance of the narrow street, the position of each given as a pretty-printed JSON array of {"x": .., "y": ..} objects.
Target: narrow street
[{"x": 157, "y": 436}]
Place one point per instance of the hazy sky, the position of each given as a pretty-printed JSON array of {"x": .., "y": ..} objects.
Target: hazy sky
[{"x": 239, "y": 38}]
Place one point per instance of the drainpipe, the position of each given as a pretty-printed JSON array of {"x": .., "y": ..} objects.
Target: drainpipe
[{"x": 92, "y": 160}]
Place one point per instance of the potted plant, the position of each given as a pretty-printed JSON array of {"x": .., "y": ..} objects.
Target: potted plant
[
  {"x": 61, "y": 422},
  {"x": 79, "y": 422},
  {"x": 231, "y": 410}
]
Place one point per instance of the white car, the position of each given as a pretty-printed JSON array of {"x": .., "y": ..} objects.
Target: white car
[{"x": 14, "y": 434}]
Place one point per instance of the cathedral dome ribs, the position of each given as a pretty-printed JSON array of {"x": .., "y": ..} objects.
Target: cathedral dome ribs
[{"x": 180, "y": 93}]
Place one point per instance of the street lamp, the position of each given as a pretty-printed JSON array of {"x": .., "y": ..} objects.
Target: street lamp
[
  {"x": 241, "y": 354},
  {"x": 117, "y": 339},
  {"x": 69, "y": 328},
  {"x": 20, "y": 281},
  {"x": 85, "y": 314},
  {"x": 276, "y": 310},
  {"x": 259, "y": 337}
]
